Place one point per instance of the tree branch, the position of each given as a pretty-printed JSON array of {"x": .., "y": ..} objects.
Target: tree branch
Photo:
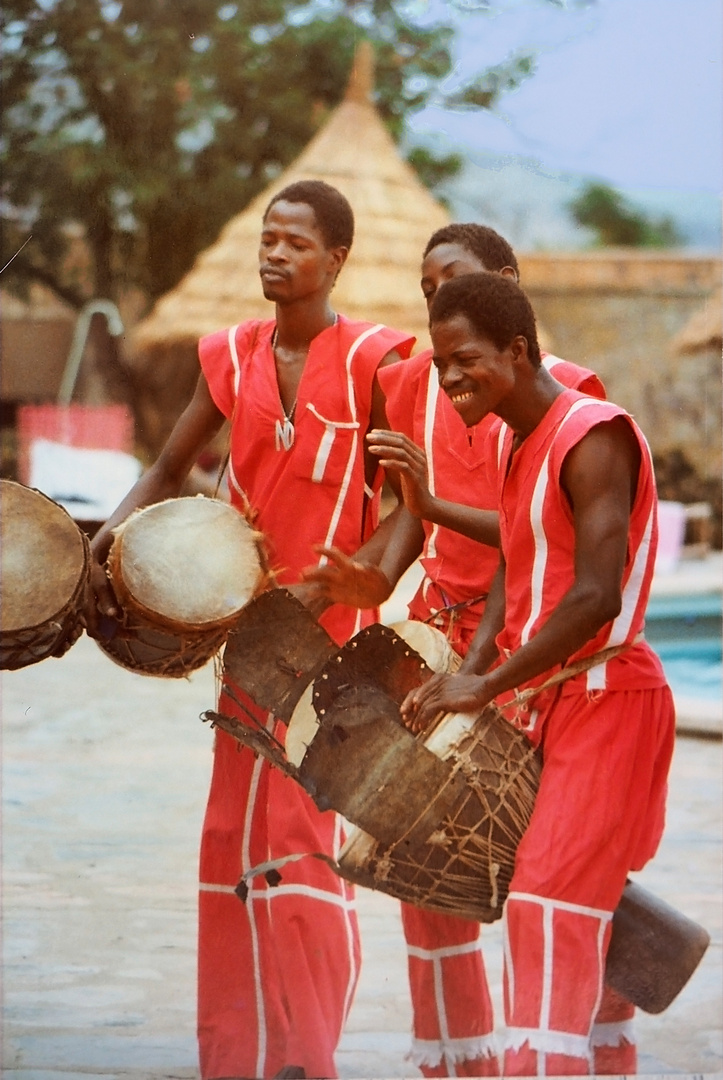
[{"x": 24, "y": 269}]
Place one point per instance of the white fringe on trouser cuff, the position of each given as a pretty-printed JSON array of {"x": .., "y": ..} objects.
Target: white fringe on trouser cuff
[
  {"x": 613, "y": 1034},
  {"x": 549, "y": 1042},
  {"x": 431, "y": 1052}
]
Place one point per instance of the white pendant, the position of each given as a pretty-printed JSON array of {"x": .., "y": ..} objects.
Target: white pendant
[{"x": 284, "y": 434}]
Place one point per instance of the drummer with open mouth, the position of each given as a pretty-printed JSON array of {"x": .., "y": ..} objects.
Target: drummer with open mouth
[{"x": 578, "y": 527}]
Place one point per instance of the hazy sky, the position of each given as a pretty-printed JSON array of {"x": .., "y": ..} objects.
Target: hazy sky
[{"x": 626, "y": 90}]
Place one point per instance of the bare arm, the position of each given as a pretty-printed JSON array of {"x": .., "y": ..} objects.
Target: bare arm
[
  {"x": 599, "y": 476},
  {"x": 458, "y": 693},
  {"x": 193, "y": 430},
  {"x": 367, "y": 580},
  {"x": 402, "y": 458}
]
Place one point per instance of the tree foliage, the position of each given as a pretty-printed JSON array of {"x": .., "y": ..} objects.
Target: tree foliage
[
  {"x": 151, "y": 122},
  {"x": 617, "y": 223}
]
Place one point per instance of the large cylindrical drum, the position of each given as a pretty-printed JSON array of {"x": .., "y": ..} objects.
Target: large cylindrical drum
[
  {"x": 45, "y": 572},
  {"x": 438, "y": 818},
  {"x": 182, "y": 570},
  {"x": 464, "y": 864}
]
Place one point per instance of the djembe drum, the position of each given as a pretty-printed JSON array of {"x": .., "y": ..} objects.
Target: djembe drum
[
  {"x": 45, "y": 572},
  {"x": 182, "y": 570}
]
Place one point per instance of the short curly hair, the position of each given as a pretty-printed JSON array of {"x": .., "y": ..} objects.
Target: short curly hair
[
  {"x": 332, "y": 210},
  {"x": 496, "y": 307},
  {"x": 484, "y": 243}
]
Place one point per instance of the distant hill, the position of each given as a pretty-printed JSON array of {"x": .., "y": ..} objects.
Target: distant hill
[{"x": 527, "y": 203}]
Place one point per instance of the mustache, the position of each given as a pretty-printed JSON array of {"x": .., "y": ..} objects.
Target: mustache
[{"x": 275, "y": 270}]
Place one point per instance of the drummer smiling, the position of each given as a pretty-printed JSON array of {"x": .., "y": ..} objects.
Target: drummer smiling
[
  {"x": 578, "y": 539},
  {"x": 448, "y": 476},
  {"x": 277, "y": 974}
]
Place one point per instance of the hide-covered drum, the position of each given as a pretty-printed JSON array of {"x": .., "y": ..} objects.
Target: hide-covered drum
[
  {"x": 182, "y": 571},
  {"x": 45, "y": 573}
]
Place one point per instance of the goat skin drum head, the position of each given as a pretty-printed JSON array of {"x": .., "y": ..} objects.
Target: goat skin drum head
[
  {"x": 191, "y": 560},
  {"x": 43, "y": 557}
]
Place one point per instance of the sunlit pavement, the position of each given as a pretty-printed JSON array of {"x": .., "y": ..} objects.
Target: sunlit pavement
[{"x": 104, "y": 783}]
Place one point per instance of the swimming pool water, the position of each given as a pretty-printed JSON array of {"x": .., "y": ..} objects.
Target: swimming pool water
[
  {"x": 692, "y": 676},
  {"x": 685, "y": 631}
]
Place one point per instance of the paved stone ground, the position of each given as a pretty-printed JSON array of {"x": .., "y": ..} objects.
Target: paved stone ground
[{"x": 104, "y": 778}]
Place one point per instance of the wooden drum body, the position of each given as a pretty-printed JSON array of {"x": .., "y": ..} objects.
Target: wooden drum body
[
  {"x": 45, "y": 573},
  {"x": 438, "y": 819},
  {"x": 182, "y": 570},
  {"x": 464, "y": 865}
]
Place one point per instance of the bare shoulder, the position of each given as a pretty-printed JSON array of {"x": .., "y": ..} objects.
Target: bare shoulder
[{"x": 606, "y": 457}]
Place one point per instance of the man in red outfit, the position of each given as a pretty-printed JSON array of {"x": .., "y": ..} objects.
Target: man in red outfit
[
  {"x": 578, "y": 531},
  {"x": 450, "y": 522},
  {"x": 277, "y": 974}
]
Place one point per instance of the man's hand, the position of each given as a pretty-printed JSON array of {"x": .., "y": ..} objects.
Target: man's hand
[
  {"x": 311, "y": 597},
  {"x": 100, "y": 602},
  {"x": 398, "y": 454},
  {"x": 344, "y": 581},
  {"x": 444, "y": 694}
]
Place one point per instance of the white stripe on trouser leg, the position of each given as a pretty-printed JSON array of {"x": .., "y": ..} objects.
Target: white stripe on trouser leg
[
  {"x": 440, "y": 1009},
  {"x": 431, "y": 1052},
  {"x": 547, "y": 943},
  {"x": 600, "y": 964},
  {"x": 246, "y": 863},
  {"x": 311, "y": 891},
  {"x": 444, "y": 950},
  {"x": 348, "y": 909},
  {"x": 509, "y": 967},
  {"x": 563, "y": 905},
  {"x": 555, "y": 932}
]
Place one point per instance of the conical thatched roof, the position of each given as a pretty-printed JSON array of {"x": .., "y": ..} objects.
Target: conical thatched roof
[
  {"x": 704, "y": 330},
  {"x": 395, "y": 216}
]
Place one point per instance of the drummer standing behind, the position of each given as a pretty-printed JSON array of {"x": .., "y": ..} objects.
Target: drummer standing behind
[
  {"x": 449, "y": 480},
  {"x": 578, "y": 536},
  {"x": 277, "y": 974}
]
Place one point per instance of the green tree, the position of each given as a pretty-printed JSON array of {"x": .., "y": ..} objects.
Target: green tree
[
  {"x": 151, "y": 122},
  {"x": 617, "y": 223}
]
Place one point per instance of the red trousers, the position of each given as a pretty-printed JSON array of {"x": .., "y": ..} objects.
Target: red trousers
[
  {"x": 453, "y": 1017},
  {"x": 276, "y": 974},
  {"x": 452, "y": 1014},
  {"x": 599, "y": 814}
]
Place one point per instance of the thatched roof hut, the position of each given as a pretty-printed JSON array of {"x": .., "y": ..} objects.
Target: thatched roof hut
[
  {"x": 704, "y": 330},
  {"x": 395, "y": 215}
]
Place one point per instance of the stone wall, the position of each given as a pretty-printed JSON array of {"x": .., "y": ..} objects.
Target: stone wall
[{"x": 618, "y": 312}]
